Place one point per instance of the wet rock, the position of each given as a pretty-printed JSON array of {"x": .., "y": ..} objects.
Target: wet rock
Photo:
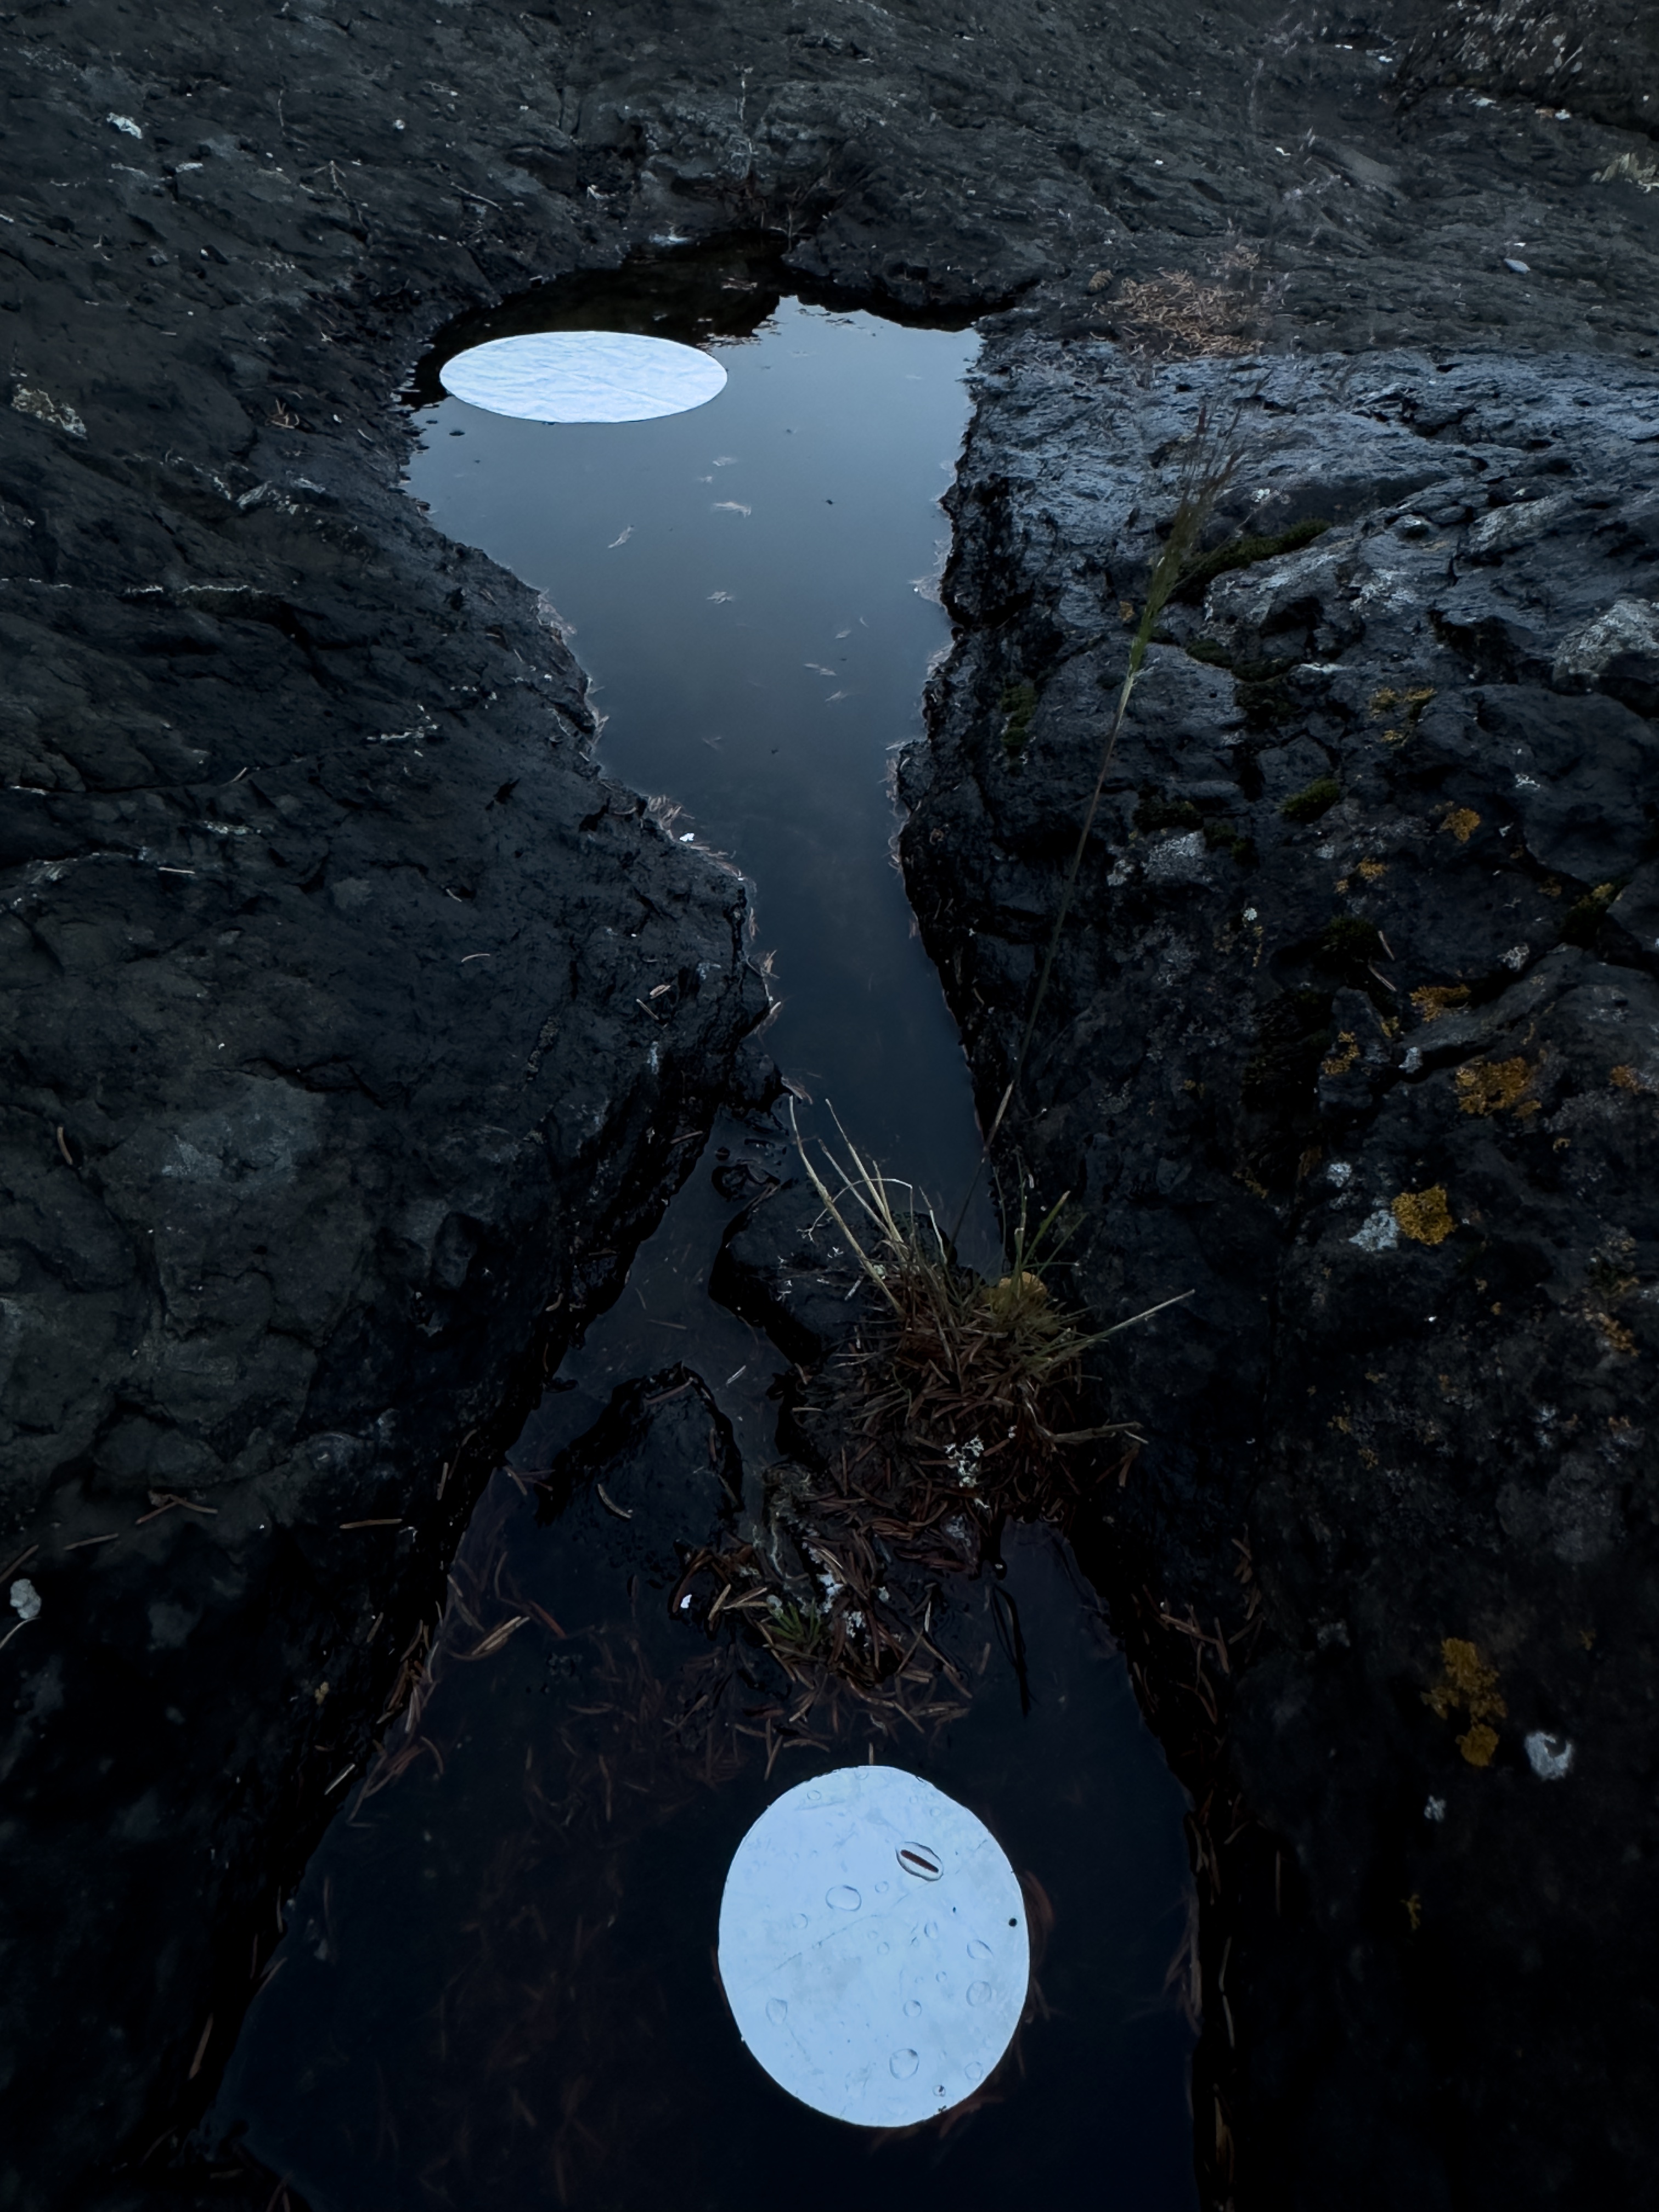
[
  {"x": 1354, "y": 1033},
  {"x": 785, "y": 1265}
]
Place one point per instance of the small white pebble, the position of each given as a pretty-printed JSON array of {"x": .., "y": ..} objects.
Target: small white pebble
[
  {"x": 1434, "y": 1809},
  {"x": 125, "y": 124},
  {"x": 1550, "y": 1756},
  {"x": 25, "y": 1599}
]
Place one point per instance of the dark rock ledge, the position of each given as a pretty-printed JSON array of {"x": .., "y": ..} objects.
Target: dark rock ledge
[{"x": 294, "y": 1176}]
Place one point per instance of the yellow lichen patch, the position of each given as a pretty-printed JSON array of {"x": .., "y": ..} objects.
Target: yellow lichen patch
[
  {"x": 1389, "y": 701},
  {"x": 1478, "y": 1744},
  {"x": 1469, "y": 1684},
  {"x": 1423, "y": 1215},
  {"x": 1347, "y": 1051},
  {"x": 1392, "y": 737},
  {"x": 1460, "y": 822},
  {"x": 1012, "y": 1297},
  {"x": 1372, "y": 871},
  {"x": 1618, "y": 1337},
  {"x": 1433, "y": 999},
  {"x": 1413, "y": 1905},
  {"x": 1489, "y": 1087},
  {"x": 1466, "y": 1679},
  {"x": 1626, "y": 1078}
]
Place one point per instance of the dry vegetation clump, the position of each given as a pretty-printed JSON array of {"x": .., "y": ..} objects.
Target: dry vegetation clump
[
  {"x": 954, "y": 1411},
  {"x": 1175, "y": 312}
]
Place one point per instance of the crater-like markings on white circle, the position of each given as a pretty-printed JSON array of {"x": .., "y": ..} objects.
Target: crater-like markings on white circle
[
  {"x": 583, "y": 376},
  {"x": 887, "y": 2010}
]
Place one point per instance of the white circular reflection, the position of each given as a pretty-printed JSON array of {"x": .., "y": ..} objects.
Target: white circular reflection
[
  {"x": 873, "y": 1947},
  {"x": 583, "y": 376}
]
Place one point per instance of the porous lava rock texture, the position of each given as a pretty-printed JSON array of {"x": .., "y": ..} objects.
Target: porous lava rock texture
[{"x": 329, "y": 1105}]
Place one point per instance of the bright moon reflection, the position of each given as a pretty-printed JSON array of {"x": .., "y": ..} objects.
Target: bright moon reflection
[
  {"x": 873, "y": 1947},
  {"x": 583, "y": 376}
]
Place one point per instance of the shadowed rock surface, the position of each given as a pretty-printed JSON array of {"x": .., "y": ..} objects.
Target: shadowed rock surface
[
  {"x": 325, "y": 1080},
  {"x": 1353, "y": 1034}
]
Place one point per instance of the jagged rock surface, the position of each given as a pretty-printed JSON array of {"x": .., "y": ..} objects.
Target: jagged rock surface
[{"x": 1354, "y": 1033}]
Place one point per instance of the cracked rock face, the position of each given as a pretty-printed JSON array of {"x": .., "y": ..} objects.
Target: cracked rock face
[{"x": 1355, "y": 1035}]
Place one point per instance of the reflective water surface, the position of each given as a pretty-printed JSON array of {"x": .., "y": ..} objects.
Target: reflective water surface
[
  {"x": 583, "y": 376},
  {"x": 498, "y": 1985}
]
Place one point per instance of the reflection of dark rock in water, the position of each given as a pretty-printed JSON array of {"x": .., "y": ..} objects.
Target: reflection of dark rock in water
[{"x": 326, "y": 1081}]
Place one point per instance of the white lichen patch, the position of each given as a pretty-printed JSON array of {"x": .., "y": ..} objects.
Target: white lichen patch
[
  {"x": 1550, "y": 1756},
  {"x": 1378, "y": 1232},
  {"x": 1178, "y": 860},
  {"x": 28, "y": 399},
  {"x": 964, "y": 1462}
]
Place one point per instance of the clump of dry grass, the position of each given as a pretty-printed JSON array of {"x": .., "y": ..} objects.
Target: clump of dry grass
[
  {"x": 984, "y": 1371},
  {"x": 953, "y": 1411},
  {"x": 1175, "y": 312}
]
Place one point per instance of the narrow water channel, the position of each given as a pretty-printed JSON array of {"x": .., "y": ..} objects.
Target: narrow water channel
[{"x": 498, "y": 1984}]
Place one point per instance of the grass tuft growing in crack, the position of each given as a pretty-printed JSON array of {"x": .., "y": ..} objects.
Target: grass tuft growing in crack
[
  {"x": 982, "y": 1371},
  {"x": 953, "y": 1411}
]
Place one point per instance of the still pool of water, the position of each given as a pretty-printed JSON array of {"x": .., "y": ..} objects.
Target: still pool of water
[
  {"x": 498, "y": 1984},
  {"x": 750, "y": 587}
]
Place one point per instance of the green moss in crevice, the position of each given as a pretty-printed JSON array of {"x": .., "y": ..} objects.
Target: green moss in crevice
[
  {"x": 1313, "y": 799},
  {"x": 1244, "y": 553},
  {"x": 1222, "y": 836},
  {"x": 1018, "y": 702},
  {"x": 1157, "y": 811}
]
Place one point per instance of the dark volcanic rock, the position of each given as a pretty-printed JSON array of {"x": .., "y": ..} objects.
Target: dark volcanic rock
[
  {"x": 663, "y": 1453},
  {"x": 326, "y": 1080},
  {"x": 1355, "y": 1034},
  {"x": 785, "y": 1265}
]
